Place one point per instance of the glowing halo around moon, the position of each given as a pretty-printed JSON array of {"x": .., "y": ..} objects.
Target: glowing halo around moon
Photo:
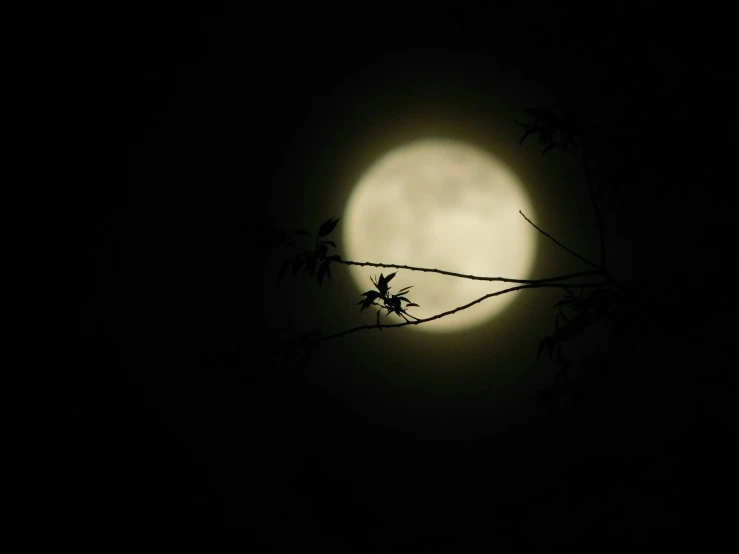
[{"x": 448, "y": 205}]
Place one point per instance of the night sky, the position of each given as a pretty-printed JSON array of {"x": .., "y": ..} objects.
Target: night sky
[{"x": 389, "y": 441}]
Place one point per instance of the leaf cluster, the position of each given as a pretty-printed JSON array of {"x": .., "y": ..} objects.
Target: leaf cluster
[
  {"x": 315, "y": 262},
  {"x": 577, "y": 311},
  {"x": 628, "y": 308},
  {"x": 382, "y": 298},
  {"x": 549, "y": 122}
]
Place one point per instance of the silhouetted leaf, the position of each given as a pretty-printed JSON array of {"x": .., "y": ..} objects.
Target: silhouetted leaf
[
  {"x": 526, "y": 134},
  {"x": 548, "y": 148},
  {"x": 392, "y": 304},
  {"x": 412, "y": 304},
  {"x": 382, "y": 283},
  {"x": 562, "y": 315},
  {"x": 371, "y": 296},
  {"x": 327, "y": 226},
  {"x": 332, "y": 243},
  {"x": 335, "y": 258},
  {"x": 301, "y": 232},
  {"x": 323, "y": 270},
  {"x": 546, "y": 124},
  {"x": 310, "y": 267},
  {"x": 404, "y": 290},
  {"x": 546, "y": 342},
  {"x": 374, "y": 282},
  {"x": 321, "y": 251}
]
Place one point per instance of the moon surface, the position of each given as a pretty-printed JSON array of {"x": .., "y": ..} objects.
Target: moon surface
[{"x": 446, "y": 205}]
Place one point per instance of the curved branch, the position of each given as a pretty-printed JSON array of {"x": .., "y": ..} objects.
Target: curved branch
[
  {"x": 460, "y": 275},
  {"x": 471, "y": 277},
  {"x": 550, "y": 237},
  {"x": 460, "y": 308}
]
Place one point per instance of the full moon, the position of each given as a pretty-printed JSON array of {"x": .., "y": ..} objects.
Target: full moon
[{"x": 447, "y": 205}]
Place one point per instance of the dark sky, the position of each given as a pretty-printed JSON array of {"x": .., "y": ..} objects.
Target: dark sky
[{"x": 399, "y": 440}]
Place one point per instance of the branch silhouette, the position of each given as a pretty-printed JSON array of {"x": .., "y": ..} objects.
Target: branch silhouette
[
  {"x": 550, "y": 237},
  {"x": 601, "y": 268},
  {"x": 338, "y": 260},
  {"x": 460, "y": 308},
  {"x": 599, "y": 223},
  {"x": 309, "y": 260},
  {"x": 471, "y": 277},
  {"x": 548, "y": 123}
]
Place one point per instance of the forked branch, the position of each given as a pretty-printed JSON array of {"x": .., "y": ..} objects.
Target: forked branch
[{"x": 460, "y": 308}]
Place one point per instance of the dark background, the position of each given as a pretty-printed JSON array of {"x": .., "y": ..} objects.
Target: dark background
[{"x": 231, "y": 114}]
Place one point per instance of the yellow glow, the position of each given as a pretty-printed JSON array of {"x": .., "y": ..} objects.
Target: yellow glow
[{"x": 447, "y": 205}]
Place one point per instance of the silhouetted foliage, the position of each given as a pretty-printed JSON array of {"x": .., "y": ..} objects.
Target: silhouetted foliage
[
  {"x": 643, "y": 327},
  {"x": 548, "y": 123},
  {"x": 308, "y": 261},
  {"x": 393, "y": 303},
  {"x": 641, "y": 341}
]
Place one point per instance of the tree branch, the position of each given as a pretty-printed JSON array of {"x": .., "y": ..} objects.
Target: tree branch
[
  {"x": 460, "y": 308},
  {"x": 550, "y": 237},
  {"x": 588, "y": 177},
  {"x": 466, "y": 276},
  {"x": 471, "y": 277}
]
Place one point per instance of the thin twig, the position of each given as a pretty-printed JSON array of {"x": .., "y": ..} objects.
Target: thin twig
[
  {"x": 460, "y": 275},
  {"x": 459, "y": 309},
  {"x": 585, "y": 160},
  {"x": 550, "y": 237},
  {"x": 471, "y": 277}
]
